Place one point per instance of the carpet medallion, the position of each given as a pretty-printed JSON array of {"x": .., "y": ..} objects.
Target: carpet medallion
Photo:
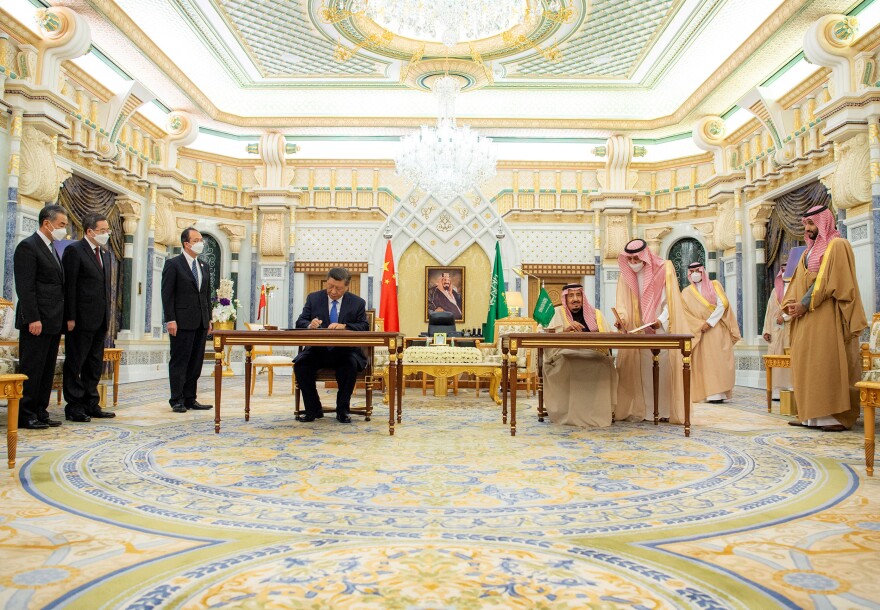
[{"x": 146, "y": 512}]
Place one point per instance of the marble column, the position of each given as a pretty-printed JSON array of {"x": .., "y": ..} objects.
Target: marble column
[
  {"x": 131, "y": 211},
  {"x": 737, "y": 206},
  {"x": 12, "y": 199},
  {"x": 236, "y": 234},
  {"x": 758, "y": 217},
  {"x": 151, "y": 251},
  {"x": 874, "y": 152}
]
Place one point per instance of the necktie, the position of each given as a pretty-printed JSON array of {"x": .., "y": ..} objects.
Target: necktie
[
  {"x": 98, "y": 256},
  {"x": 334, "y": 315},
  {"x": 55, "y": 254},
  {"x": 195, "y": 271}
]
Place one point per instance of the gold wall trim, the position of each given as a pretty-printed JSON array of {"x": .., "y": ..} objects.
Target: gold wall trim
[
  {"x": 200, "y": 155},
  {"x": 706, "y": 157},
  {"x": 541, "y": 269},
  {"x": 325, "y": 266},
  {"x": 802, "y": 89}
]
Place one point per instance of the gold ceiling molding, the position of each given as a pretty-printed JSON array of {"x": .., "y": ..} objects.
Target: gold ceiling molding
[
  {"x": 706, "y": 157},
  {"x": 746, "y": 131},
  {"x": 129, "y": 28},
  {"x": 17, "y": 30},
  {"x": 806, "y": 86},
  {"x": 201, "y": 155},
  {"x": 474, "y": 75}
]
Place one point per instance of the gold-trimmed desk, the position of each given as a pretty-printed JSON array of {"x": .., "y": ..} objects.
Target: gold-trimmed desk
[
  {"x": 869, "y": 396},
  {"x": 12, "y": 388},
  {"x": 774, "y": 361},
  {"x": 306, "y": 338},
  {"x": 512, "y": 343}
]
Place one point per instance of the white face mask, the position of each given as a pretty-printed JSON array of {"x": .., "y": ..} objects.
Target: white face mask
[
  {"x": 59, "y": 234},
  {"x": 198, "y": 247},
  {"x": 636, "y": 267},
  {"x": 697, "y": 277},
  {"x": 102, "y": 238}
]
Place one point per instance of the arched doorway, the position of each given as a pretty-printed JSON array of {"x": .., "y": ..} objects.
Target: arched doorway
[
  {"x": 683, "y": 253},
  {"x": 213, "y": 256}
]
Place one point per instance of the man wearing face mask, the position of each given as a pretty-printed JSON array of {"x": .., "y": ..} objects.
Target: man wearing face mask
[
  {"x": 647, "y": 291},
  {"x": 39, "y": 316},
  {"x": 827, "y": 319},
  {"x": 87, "y": 312},
  {"x": 715, "y": 331},
  {"x": 186, "y": 303}
]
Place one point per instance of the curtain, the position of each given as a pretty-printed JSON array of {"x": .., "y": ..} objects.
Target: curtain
[
  {"x": 80, "y": 197},
  {"x": 785, "y": 229}
]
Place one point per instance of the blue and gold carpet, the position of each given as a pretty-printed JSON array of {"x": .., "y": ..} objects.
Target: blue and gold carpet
[{"x": 153, "y": 510}]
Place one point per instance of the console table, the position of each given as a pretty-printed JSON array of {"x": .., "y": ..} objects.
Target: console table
[
  {"x": 512, "y": 343},
  {"x": 774, "y": 361},
  {"x": 320, "y": 338}
]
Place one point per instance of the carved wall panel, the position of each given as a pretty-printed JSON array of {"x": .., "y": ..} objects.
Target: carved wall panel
[
  {"x": 616, "y": 235},
  {"x": 851, "y": 184},
  {"x": 39, "y": 176},
  {"x": 272, "y": 242}
]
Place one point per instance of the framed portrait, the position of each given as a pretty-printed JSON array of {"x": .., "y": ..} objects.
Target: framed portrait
[{"x": 444, "y": 291}]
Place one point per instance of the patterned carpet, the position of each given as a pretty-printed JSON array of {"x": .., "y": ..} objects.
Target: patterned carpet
[{"x": 153, "y": 510}]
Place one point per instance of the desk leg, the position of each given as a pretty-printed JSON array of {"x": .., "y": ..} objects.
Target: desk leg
[
  {"x": 218, "y": 387},
  {"x": 869, "y": 438},
  {"x": 12, "y": 430},
  {"x": 399, "y": 382},
  {"x": 504, "y": 387},
  {"x": 392, "y": 382},
  {"x": 770, "y": 389},
  {"x": 655, "y": 375},
  {"x": 511, "y": 374},
  {"x": 116, "y": 382},
  {"x": 686, "y": 379},
  {"x": 539, "y": 381},
  {"x": 248, "y": 350}
]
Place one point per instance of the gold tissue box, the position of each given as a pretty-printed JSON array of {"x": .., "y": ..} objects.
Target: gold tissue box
[{"x": 787, "y": 405}]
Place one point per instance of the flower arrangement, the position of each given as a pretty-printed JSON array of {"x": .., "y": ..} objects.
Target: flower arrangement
[{"x": 224, "y": 305}]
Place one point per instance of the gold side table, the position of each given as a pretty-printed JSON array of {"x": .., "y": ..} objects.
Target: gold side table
[
  {"x": 869, "y": 396},
  {"x": 12, "y": 388}
]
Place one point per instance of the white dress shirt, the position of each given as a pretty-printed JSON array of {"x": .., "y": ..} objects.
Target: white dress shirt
[{"x": 189, "y": 266}]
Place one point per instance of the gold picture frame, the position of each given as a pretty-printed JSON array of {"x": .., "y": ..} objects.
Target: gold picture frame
[{"x": 438, "y": 289}]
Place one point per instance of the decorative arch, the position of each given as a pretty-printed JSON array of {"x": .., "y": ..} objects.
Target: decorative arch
[
  {"x": 213, "y": 256},
  {"x": 682, "y": 253}
]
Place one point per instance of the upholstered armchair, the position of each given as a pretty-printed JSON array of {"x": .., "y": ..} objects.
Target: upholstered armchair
[
  {"x": 263, "y": 359},
  {"x": 871, "y": 352},
  {"x": 526, "y": 366}
]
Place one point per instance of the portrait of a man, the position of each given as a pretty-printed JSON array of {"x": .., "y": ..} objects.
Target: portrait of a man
[{"x": 445, "y": 291}]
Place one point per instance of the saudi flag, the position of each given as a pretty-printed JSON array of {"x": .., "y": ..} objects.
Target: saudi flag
[
  {"x": 497, "y": 300},
  {"x": 544, "y": 309}
]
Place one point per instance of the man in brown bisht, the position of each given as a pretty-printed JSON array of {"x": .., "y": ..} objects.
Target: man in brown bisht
[
  {"x": 572, "y": 375},
  {"x": 715, "y": 331},
  {"x": 777, "y": 332},
  {"x": 647, "y": 291},
  {"x": 827, "y": 319}
]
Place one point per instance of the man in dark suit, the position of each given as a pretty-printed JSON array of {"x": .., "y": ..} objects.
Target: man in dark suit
[
  {"x": 39, "y": 284},
  {"x": 336, "y": 309},
  {"x": 186, "y": 303},
  {"x": 87, "y": 311}
]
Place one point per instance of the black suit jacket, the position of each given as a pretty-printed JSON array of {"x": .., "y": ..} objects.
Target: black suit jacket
[
  {"x": 352, "y": 313},
  {"x": 39, "y": 284},
  {"x": 86, "y": 286},
  {"x": 182, "y": 300}
]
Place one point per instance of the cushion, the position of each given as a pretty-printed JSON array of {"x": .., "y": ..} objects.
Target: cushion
[
  {"x": 874, "y": 340},
  {"x": 873, "y": 375},
  {"x": 268, "y": 359}
]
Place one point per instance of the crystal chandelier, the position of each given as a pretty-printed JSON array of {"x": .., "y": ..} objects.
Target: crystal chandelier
[
  {"x": 448, "y": 21},
  {"x": 446, "y": 160}
]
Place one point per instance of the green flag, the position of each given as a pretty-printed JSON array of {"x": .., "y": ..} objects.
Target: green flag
[
  {"x": 497, "y": 299},
  {"x": 544, "y": 309}
]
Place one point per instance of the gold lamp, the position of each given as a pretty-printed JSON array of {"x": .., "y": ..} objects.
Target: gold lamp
[
  {"x": 515, "y": 302},
  {"x": 519, "y": 271}
]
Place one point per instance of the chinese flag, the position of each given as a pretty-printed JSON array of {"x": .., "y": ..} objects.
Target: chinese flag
[
  {"x": 388, "y": 296},
  {"x": 262, "y": 301}
]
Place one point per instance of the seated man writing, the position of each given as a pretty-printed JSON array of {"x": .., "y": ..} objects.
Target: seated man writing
[
  {"x": 580, "y": 385},
  {"x": 335, "y": 309}
]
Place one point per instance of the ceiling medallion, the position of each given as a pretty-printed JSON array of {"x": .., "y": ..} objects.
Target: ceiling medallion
[
  {"x": 446, "y": 160},
  {"x": 447, "y": 21}
]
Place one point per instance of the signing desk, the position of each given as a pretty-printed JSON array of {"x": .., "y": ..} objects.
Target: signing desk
[
  {"x": 303, "y": 338},
  {"x": 512, "y": 343}
]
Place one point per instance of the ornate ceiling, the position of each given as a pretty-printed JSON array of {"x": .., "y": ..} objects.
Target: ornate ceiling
[{"x": 649, "y": 66}]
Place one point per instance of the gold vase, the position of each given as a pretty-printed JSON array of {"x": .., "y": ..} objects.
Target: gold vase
[{"x": 228, "y": 325}]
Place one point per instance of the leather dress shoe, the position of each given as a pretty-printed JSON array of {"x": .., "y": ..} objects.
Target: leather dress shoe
[
  {"x": 196, "y": 406},
  {"x": 797, "y": 423},
  {"x": 52, "y": 423},
  {"x": 34, "y": 424},
  {"x": 834, "y": 428},
  {"x": 77, "y": 417},
  {"x": 100, "y": 413},
  {"x": 343, "y": 419},
  {"x": 178, "y": 408},
  {"x": 305, "y": 418}
]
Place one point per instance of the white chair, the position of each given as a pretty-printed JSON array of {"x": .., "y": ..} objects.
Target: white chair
[{"x": 263, "y": 358}]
